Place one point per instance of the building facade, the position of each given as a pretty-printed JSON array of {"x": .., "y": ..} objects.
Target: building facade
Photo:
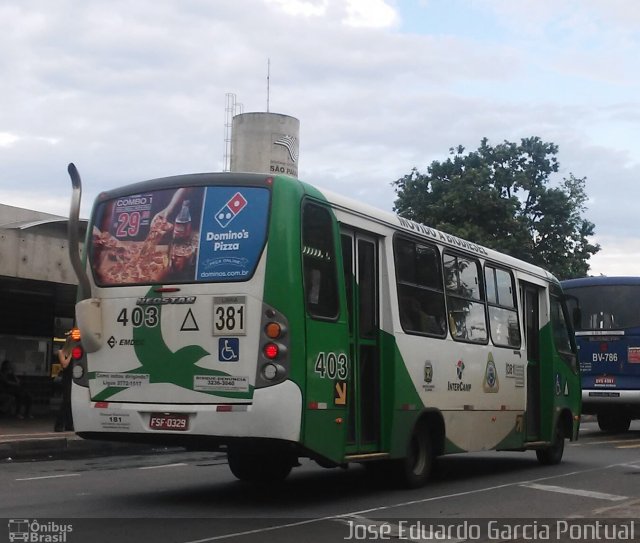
[{"x": 37, "y": 294}]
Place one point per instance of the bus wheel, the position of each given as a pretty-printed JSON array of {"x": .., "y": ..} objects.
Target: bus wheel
[
  {"x": 613, "y": 421},
  {"x": 552, "y": 455},
  {"x": 414, "y": 469},
  {"x": 255, "y": 468}
]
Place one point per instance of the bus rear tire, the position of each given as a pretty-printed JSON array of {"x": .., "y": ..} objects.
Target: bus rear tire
[
  {"x": 258, "y": 468},
  {"x": 414, "y": 469},
  {"x": 613, "y": 422},
  {"x": 552, "y": 455}
]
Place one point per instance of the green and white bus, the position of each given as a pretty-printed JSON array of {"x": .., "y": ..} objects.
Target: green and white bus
[{"x": 263, "y": 317}]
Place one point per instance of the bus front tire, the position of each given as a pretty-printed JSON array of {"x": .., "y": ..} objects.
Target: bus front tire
[
  {"x": 255, "y": 468},
  {"x": 552, "y": 455},
  {"x": 414, "y": 469},
  {"x": 613, "y": 422}
]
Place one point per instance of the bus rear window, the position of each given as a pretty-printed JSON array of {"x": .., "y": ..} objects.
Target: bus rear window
[
  {"x": 606, "y": 307},
  {"x": 183, "y": 235}
]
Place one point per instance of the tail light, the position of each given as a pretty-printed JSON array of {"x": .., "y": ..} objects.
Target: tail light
[
  {"x": 77, "y": 352},
  {"x": 273, "y": 363},
  {"x": 273, "y": 330},
  {"x": 271, "y": 351},
  {"x": 79, "y": 361}
]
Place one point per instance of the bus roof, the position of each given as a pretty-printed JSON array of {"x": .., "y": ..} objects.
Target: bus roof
[
  {"x": 338, "y": 201},
  {"x": 191, "y": 179},
  {"x": 600, "y": 280}
]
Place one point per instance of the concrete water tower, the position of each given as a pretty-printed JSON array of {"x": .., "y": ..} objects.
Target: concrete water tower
[{"x": 265, "y": 143}]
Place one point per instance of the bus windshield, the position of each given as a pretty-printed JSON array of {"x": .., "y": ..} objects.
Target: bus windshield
[
  {"x": 606, "y": 307},
  {"x": 179, "y": 235}
]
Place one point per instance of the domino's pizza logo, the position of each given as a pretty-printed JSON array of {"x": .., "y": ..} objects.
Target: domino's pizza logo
[{"x": 230, "y": 210}]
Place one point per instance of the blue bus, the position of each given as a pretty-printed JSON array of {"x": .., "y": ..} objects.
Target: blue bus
[{"x": 607, "y": 322}]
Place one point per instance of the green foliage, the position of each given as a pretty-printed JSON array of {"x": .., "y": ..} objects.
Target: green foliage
[{"x": 499, "y": 197}]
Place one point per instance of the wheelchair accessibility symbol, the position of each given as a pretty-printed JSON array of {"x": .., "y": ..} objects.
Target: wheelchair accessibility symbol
[{"x": 228, "y": 349}]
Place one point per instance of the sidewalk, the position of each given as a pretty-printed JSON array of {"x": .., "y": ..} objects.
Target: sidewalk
[{"x": 35, "y": 438}]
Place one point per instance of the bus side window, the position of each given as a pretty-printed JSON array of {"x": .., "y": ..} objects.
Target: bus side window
[
  {"x": 319, "y": 263},
  {"x": 503, "y": 315},
  {"x": 420, "y": 289},
  {"x": 465, "y": 299}
]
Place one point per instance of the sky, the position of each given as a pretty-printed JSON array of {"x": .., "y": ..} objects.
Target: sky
[{"x": 136, "y": 89}]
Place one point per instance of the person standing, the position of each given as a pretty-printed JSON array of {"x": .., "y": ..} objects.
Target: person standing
[
  {"x": 64, "y": 421},
  {"x": 10, "y": 384}
]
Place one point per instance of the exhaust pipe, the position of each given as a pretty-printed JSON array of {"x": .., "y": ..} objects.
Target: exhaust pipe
[{"x": 73, "y": 234}]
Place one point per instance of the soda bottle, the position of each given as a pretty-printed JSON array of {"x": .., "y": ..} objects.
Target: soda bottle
[
  {"x": 181, "y": 248},
  {"x": 182, "y": 226}
]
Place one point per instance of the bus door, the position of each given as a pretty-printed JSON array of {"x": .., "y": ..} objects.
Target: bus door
[
  {"x": 530, "y": 296},
  {"x": 361, "y": 275},
  {"x": 327, "y": 392}
]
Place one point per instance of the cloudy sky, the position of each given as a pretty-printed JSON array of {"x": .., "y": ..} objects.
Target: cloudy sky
[{"x": 135, "y": 89}]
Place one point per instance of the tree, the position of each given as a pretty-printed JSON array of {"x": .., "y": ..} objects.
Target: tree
[{"x": 500, "y": 197}]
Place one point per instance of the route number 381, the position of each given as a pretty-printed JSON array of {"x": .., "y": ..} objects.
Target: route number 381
[{"x": 229, "y": 319}]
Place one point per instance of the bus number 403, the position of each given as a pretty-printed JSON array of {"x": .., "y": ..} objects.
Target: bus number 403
[
  {"x": 332, "y": 365},
  {"x": 149, "y": 316}
]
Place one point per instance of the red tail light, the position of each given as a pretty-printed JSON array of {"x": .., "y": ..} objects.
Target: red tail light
[
  {"x": 76, "y": 353},
  {"x": 271, "y": 351}
]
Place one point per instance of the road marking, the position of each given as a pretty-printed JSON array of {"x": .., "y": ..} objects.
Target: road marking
[
  {"x": 629, "y": 465},
  {"x": 577, "y": 492},
  {"x": 634, "y": 446},
  {"x": 607, "y": 442},
  {"x": 165, "y": 466},
  {"x": 261, "y": 530},
  {"x": 395, "y": 506},
  {"x": 49, "y": 477}
]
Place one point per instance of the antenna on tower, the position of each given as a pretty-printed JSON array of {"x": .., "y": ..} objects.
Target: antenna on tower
[{"x": 268, "y": 76}]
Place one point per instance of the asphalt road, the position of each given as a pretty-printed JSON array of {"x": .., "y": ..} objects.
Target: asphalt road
[{"x": 192, "y": 497}]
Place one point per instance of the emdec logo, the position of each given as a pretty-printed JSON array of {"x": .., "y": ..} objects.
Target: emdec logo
[{"x": 231, "y": 209}]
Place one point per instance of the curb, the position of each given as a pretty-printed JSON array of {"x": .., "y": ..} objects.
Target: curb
[{"x": 70, "y": 446}]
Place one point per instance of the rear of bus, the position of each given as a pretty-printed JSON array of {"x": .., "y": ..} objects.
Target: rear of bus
[
  {"x": 179, "y": 345},
  {"x": 608, "y": 338}
]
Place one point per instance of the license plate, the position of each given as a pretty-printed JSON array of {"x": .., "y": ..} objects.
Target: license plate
[{"x": 169, "y": 421}]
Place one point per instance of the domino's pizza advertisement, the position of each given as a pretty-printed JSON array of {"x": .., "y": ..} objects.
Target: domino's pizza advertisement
[{"x": 233, "y": 233}]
